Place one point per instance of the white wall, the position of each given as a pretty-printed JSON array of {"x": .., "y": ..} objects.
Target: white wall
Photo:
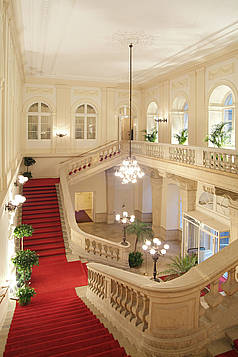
[
  {"x": 95, "y": 184},
  {"x": 11, "y": 80}
]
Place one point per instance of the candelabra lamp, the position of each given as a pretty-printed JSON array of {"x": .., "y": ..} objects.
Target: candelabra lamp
[
  {"x": 125, "y": 220},
  {"x": 154, "y": 249}
]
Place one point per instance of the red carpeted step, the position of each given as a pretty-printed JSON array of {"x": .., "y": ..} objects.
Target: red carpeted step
[
  {"x": 31, "y": 241},
  {"x": 45, "y": 247},
  {"x": 42, "y": 215},
  {"x": 49, "y": 252},
  {"x": 39, "y": 225},
  {"x": 84, "y": 348},
  {"x": 231, "y": 353},
  {"x": 57, "y": 322},
  {"x": 50, "y": 210}
]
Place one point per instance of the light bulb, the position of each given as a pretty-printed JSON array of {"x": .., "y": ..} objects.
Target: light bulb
[
  {"x": 144, "y": 247},
  {"x": 163, "y": 251},
  {"x": 132, "y": 218},
  {"x": 166, "y": 246},
  {"x": 157, "y": 241},
  {"x": 152, "y": 251},
  {"x": 117, "y": 217},
  {"x": 148, "y": 242}
]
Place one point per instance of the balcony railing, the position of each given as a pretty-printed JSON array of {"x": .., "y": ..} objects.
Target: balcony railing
[{"x": 211, "y": 158}]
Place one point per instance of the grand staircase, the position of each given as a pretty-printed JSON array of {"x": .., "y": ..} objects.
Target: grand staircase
[{"x": 57, "y": 322}]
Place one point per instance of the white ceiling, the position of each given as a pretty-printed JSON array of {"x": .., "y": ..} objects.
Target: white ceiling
[{"x": 76, "y": 39}]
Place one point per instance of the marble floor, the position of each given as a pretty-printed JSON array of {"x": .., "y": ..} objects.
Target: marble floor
[{"x": 114, "y": 232}]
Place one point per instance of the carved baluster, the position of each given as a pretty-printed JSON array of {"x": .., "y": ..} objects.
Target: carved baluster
[
  {"x": 105, "y": 251},
  {"x": 231, "y": 285},
  {"x": 138, "y": 309},
  {"x": 94, "y": 247},
  {"x": 123, "y": 298},
  {"x": 87, "y": 245},
  {"x": 119, "y": 296},
  {"x": 100, "y": 249},
  {"x": 133, "y": 305},
  {"x": 128, "y": 302},
  {"x": 144, "y": 312},
  {"x": 213, "y": 298},
  {"x": 111, "y": 252},
  {"x": 113, "y": 292}
]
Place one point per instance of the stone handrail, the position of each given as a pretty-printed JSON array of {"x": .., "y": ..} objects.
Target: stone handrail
[
  {"x": 212, "y": 158},
  {"x": 171, "y": 316},
  {"x": 93, "y": 159},
  {"x": 87, "y": 245}
]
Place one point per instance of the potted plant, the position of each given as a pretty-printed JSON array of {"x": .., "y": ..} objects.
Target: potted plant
[
  {"x": 24, "y": 294},
  {"x": 28, "y": 161},
  {"x": 219, "y": 136},
  {"x": 23, "y": 230},
  {"x": 24, "y": 261},
  {"x": 182, "y": 136},
  {"x": 180, "y": 265},
  {"x": 151, "y": 137},
  {"x": 141, "y": 230}
]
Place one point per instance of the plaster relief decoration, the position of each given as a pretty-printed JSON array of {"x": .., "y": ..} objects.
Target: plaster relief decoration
[
  {"x": 180, "y": 84},
  {"x": 85, "y": 93},
  {"x": 221, "y": 71},
  {"x": 39, "y": 91}
]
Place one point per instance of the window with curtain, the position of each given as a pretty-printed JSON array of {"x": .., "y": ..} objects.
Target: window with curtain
[
  {"x": 85, "y": 122},
  {"x": 39, "y": 122}
]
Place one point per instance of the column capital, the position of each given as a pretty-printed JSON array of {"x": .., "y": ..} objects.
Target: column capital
[{"x": 184, "y": 183}]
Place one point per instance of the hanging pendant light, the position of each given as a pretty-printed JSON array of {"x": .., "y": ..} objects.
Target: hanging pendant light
[{"x": 129, "y": 170}]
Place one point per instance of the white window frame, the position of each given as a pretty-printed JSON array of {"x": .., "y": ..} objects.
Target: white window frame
[
  {"x": 39, "y": 114},
  {"x": 85, "y": 115}
]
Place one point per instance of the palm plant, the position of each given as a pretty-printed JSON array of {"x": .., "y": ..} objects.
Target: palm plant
[
  {"x": 182, "y": 136},
  {"x": 219, "y": 136},
  {"x": 180, "y": 265},
  {"x": 141, "y": 230},
  {"x": 151, "y": 137}
]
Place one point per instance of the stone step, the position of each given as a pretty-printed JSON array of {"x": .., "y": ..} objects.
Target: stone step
[{"x": 232, "y": 333}]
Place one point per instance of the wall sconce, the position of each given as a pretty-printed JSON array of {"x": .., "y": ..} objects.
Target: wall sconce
[
  {"x": 161, "y": 120},
  {"x": 21, "y": 180},
  {"x": 61, "y": 133},
  {"x": 12, "y": 205}
]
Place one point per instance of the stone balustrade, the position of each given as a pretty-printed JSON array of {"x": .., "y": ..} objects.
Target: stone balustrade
[
  {"x": 86, "y": 245},
  {"x": 172, "y": 318},
  {"x": 91, "y": 159},
  {"x": 212, "y": 158}
]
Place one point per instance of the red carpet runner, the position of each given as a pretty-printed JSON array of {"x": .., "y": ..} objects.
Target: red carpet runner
[{"x": 57, "y": 322}]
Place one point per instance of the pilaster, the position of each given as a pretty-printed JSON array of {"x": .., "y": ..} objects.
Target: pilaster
[
  {"x": 157, "y": 186},
  {"x": 110, "y": 189}
]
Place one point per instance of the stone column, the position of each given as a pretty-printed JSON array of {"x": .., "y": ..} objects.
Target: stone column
[
  {"x": 233, "y": 219},
  {"x": 157, "y": 185},
  {"x": 188, "y": 190},
  {"x": 110, "y": 189}
]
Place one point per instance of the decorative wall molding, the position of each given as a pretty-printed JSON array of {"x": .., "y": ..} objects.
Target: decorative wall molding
[
  {"x": 182, "y": 83},
  {"x": 225, "y": 193},
  {"x": 221, "y": 71},
  {"x": 39, "y": 91},
  {"x": 85, "y": 92}
]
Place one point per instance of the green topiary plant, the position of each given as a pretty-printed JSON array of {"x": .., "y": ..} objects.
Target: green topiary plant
[
  {"x": 141, "y": 230},
  {"x": 135, "y": 259},
  {"x": 219, "y": 136},
  {"x": 151, "y": 137},
  {"x": 181, "y": 265},
  {"x": 25, "y": 293},
  {"x": 23, "y": 230},
  {"x": 24, "y": 261},
  {"x": 182, "y": 136},
  {"x": 28, "y": 161}
]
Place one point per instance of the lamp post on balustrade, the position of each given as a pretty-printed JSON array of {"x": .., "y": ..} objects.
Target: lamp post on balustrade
[
  {"x": 125, "y": 220},
  {"x": 155, "y": 252}
]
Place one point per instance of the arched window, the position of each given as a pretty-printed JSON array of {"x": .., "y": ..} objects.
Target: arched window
[
  {"x": 221, "y": 109},
  {"x": 152, "y": 114},
  {"x": 85, "y": 122},
  {"x": 39, "y": 122},
  {"x": 179, "y": 119}
]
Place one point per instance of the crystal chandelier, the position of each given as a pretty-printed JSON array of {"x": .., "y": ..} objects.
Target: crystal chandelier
[{"x": 129, "y": 170}]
